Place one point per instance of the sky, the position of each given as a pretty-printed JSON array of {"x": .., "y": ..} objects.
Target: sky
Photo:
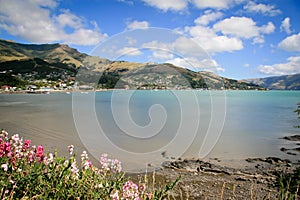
[{"x": 241, "y": 38}]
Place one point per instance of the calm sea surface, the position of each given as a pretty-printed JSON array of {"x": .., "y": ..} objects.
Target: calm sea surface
[{"x": 147, "y": 127}]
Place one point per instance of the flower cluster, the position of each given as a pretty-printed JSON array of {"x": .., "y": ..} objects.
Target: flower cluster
[
  {"x": 27, "y": 171},
  {"x": 110, "y": 165},
  {"x": 131, "y": 191},
  {"x": 85, "y": 162},
  {"x": 17, "y": 151}
]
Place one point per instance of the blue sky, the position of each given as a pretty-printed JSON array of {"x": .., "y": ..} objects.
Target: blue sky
[{"x": 243, "y": 38}]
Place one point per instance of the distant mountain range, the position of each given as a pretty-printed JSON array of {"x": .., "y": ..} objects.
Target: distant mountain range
[
  {"x": 285, "y": 82},
  {"x": 24, "y": 63}
]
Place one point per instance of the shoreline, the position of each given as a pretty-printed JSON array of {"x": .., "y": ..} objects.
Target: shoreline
[
  {"x": 213, "y": 179},
  {"x": 112, "y": 89},
  {"x": 207, "y": 180}
]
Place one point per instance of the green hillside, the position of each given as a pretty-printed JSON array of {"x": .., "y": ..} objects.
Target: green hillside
[{"x": 56, "y": 62}]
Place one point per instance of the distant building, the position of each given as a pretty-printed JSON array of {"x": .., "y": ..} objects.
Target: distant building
[
  {"x": 31, "y": 88},
  {"x": 6, "y": 88}
]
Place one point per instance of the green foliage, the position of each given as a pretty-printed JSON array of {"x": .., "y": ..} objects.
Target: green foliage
[
  {"x": 8, "y": 79},
  {"x": 289, "y": 185},
  {"x": 27, "y": 172}
]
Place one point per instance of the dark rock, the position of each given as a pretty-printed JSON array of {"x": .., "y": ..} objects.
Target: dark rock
[
  {"x": 284, "y": 149},
  {"x": 296, "y": 149},
  {"x": 240, "y": 179},
  {"x": 292, "y": 138}
]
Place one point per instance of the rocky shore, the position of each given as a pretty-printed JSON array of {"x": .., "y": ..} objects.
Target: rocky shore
[{"x": 206, "y": 180}]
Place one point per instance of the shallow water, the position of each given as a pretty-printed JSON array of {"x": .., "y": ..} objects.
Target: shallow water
[{"x": 145, "y": 127}]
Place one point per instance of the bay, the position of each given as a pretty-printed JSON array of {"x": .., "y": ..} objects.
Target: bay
[{"x": 144, "y": 128}]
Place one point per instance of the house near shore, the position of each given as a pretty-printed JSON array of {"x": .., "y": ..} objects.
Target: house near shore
[{"x": 6, "y": 88}]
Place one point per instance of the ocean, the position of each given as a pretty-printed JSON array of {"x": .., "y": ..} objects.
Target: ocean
[{"x": 145, "y": 128}]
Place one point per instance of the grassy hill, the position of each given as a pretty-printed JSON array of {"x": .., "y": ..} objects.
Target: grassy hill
[
  {"x": 286, "y": 82},
  {"x": 57, "y": 62}
]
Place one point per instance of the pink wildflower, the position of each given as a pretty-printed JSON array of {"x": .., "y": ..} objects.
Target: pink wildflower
[
  {"x": 130, "y": 191},
  {"x": 26, "y": 145},
  {"x": 5, "y": 149},
  {"x": 40, "y": 153},
  {"x": 112, "y": 165},
  {"x": 30, "y": 156}
]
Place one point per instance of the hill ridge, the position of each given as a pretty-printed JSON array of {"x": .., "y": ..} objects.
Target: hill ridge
[{"x": 59, "y": 62}]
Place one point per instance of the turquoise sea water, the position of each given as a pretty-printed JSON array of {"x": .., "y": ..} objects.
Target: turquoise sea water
[{"x": 142, "y": 127}]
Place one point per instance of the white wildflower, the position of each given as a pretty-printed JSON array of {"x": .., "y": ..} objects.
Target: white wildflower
[
  {"x": 5, "y": 167},
  {"x": 71, "y": 149}
]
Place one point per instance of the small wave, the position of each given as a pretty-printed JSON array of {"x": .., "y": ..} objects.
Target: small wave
[{"x": 12, "y": 103}]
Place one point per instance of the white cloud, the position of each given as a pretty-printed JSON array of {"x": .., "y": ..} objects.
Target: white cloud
[
  {"x": 196, "y": 64},
  {"x": 129, "y": 51},
  {"x": 182, "y": 46},
  {"x": 131, "y": 41},
  {"x": 127, "y": 2},
  {"x": 188, "y": 47},
  {"x": 259, "y": 40},
  {"x": 267, "y": 29},
  {"x": 45, "y": 3},
  {"x": 216, "y": 4},
  {"x": 243, "y": 27},
  {"x": 185, "y": 52},
  {"x": 291, "y": 43},
  {"x": 69, "y": 19},
  {"x": 211, "y": 42},
  {"x": 262, "y": 8},
  {"x": 238, "y": 26},
  {"x": 290, "y": 67},
  {"x": 285, "y": 25},
  {"x": 208, "y": 17},
  {"x": 162, "y": 55},
  {"x": 165, "y": 5},
  {"x": 138, "y": 25},
  {"x": 33, "y": 20}
]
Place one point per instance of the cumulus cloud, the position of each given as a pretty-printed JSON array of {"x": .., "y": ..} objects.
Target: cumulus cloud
[
  {"x": 262, "y": 8},
  {"x": 182, "y": 46},
  {"x": 180, "y": 5},
  {"x": 162, "y": 55},
  {"x": 243, "y": 27},
  {"x": 211, "y": 42},
  {"x": 196, "y": 64},
  {"x": 138, "y": 25},
  {"x": 33, "y": 20},
  {"x": 165, "y": 5},
  {"x": 289, "y": 67},
  {"x": 216, "y": 4},
  {"x": 285, "y": 25},
  {"x": 238, "y": 26},
  {"x": 129, "y": 51},
  {"x": 291, "y": 43},
  {"x": 66, "y": 18},
  {"x": 209, "y": 16},
  {"x": 184, "y": 52}
]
